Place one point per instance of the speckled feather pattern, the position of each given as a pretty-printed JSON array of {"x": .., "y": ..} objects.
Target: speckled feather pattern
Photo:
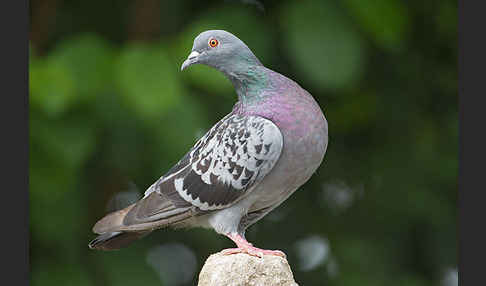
[{"x": 225, "y": 163}]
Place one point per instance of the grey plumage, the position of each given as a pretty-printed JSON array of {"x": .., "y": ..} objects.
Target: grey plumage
[{"x": 245, "y": 166}]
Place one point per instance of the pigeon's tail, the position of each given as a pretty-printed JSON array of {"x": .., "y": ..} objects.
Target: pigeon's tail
[
  {"x": 121, "y": 227},
  {"x": 115, "y": 240},
  {"x": 112, "y": 222}
]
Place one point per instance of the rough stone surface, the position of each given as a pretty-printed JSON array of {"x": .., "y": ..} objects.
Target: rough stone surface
[{"x": 243, "y": 269}]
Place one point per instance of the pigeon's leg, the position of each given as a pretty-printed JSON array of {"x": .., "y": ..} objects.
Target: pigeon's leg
[{"x": 245, "y": 247}]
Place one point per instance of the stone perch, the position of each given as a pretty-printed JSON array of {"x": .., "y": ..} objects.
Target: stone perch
[{"x": 245, "y": 270}]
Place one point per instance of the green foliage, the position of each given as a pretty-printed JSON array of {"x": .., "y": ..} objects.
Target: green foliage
[
  {"x": 89, "y": 59},
  {"x": 322, "y": 44},
  {"x": 386, "y": 21},
  {"x": 51, "y": 87},
  {"x": 145, "y": 77},
  {"x": 110, "y": 112}
]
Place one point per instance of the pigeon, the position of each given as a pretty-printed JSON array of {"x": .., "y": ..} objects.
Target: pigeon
[{"x": 245, "y": 166}]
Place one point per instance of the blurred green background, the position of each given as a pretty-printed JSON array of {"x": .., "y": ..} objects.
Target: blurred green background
[{"x": 110, "y": 112}]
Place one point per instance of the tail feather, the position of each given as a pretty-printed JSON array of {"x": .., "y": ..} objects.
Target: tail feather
[
  {"x": 151, "y": 212},
  {"x": 115, "y": 240},
  {"x": 119, "y": 228},
  {"x": 112, "y": 221}
]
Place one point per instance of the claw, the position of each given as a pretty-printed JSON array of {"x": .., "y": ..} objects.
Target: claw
[{"x": 246, "y": 247}]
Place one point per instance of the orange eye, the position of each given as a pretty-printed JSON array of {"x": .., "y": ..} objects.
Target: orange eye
[{"x": 213, "y": 43}]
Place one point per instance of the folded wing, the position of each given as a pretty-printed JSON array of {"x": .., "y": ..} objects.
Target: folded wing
[{"x": 221, "y": 168}]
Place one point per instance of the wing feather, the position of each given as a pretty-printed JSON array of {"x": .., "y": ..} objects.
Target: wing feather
[
  {"x": 221, "y": 168},
  {"x": 224, "y": 165}
]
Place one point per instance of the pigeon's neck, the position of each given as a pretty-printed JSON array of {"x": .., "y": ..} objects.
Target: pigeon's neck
[{"x": 249, "y": 81}]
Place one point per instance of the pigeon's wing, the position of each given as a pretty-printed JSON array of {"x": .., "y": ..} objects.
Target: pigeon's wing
[{"x": 221, "y": 168}]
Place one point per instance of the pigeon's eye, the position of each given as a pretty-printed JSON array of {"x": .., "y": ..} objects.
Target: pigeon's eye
[{"x": 213, "y": 43}]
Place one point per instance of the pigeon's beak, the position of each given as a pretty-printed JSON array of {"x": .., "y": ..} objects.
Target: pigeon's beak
[{"x": 191, "y": 59}]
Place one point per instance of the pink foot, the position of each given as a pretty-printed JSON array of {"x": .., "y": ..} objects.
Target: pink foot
[{"x": 246, "y": 247}]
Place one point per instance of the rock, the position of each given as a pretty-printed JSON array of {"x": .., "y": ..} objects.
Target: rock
[{"x": 243, "y": 269}]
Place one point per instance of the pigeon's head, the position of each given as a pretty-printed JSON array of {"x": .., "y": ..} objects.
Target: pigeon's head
[{"x": 221, "y": 50}]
